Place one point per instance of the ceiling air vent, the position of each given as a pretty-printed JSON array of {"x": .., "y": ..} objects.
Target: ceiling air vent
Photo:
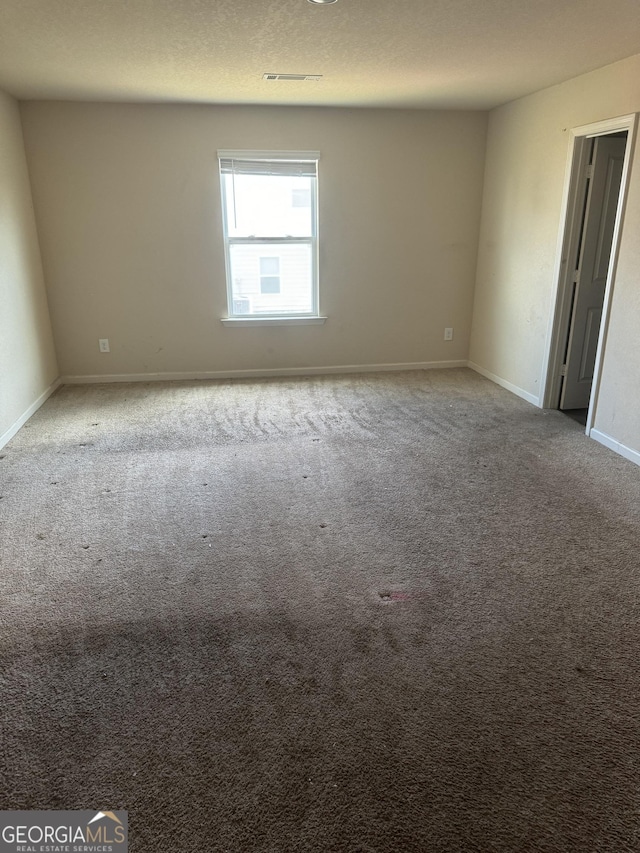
[{"x": 301, "y": 78}]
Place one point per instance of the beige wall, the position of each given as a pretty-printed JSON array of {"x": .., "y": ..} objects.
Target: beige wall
[
  {"x": 527, "y": 148},
  {"x": 618, "y": 410},
  {"x": 27, "y": 357},
  {"x": 127, "y": 202}
]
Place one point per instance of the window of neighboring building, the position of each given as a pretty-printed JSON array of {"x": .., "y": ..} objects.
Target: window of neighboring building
[
  {"x": 270, "y": 275},
  {"x": 300, "y": 197},
  {"x": 269, "y": 204}
]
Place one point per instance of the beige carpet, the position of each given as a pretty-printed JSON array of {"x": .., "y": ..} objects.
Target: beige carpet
[{"x": 358, "y": 613}]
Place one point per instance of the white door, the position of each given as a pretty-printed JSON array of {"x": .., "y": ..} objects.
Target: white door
[{"x": 591, "y": 274}]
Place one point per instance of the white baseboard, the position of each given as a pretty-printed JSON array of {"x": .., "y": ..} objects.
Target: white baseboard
[
  {"x": 258, "y": 373},
  {"x": 617, "y": 446},
  {"x": 520, "y": 392},
  {"x": 24, "y": 417}
]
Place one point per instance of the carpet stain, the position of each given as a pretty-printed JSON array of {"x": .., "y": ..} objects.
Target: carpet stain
[{"x": 394, "y": 596}]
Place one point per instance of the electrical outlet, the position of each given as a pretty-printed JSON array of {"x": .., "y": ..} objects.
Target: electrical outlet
[
  {"x": 103, "y": 343},
  {"x": 448, "y": 334}
]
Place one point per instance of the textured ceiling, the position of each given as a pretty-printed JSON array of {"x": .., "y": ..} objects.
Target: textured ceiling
[{"x": 399, "y": 53}]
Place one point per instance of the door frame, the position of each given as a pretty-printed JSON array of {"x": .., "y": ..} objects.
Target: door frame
[{"x": 571, "y": 218}]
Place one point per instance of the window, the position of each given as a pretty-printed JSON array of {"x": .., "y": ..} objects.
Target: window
[
  {"x": 269, "y": 206},
  {"x": 270, "y": 275},
  {"x": 300, "y": 197}
]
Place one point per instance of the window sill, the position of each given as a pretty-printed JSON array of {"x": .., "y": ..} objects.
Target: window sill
[{"x": 272, "y": 321}]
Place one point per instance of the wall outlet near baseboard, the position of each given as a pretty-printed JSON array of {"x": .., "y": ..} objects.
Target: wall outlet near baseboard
[
  {"x": 103, "y": 343},
  {"x": 448, "y": 334}
]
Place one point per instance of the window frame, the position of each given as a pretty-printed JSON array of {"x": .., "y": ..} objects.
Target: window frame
[{"x": 272, "y": 318}]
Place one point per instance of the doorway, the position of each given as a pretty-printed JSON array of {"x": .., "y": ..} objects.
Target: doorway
[{"x": 595, "y": 190}]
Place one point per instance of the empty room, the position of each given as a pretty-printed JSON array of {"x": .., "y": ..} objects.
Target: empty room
[{"x": 319, "y": 426}]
